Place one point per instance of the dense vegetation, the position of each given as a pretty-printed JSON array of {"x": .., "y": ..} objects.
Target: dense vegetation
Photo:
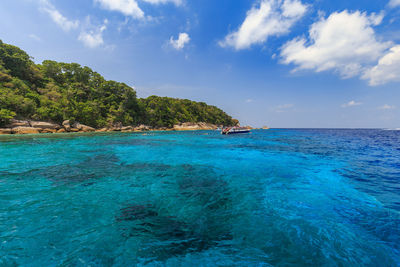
[
  {"x": 166, "y": 111},
  {"x": 54, "y": 91}
]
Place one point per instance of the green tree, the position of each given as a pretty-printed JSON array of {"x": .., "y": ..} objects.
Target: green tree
[{"x": 5, "y": 116}]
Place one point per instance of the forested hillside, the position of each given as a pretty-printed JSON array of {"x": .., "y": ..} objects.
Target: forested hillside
[{"x": 54, "y": 91}]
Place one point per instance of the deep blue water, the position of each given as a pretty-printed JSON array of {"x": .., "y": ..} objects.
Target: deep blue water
[{"x": 276, "y": 197}]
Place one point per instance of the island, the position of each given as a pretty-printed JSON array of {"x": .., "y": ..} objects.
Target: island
[{"x": 65, "y": 97}]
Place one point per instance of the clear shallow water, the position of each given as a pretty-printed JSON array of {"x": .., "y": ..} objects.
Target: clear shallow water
[{"x": 276, "y": 197}]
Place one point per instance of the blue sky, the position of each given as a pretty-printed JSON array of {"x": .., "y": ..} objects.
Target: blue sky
[{"x": 282, "y": 63}]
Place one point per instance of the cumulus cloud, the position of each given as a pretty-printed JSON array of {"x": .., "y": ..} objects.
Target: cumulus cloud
[
  {"x": 126, "y": 7},
  {"x": 157, "y": 2},
  {"x": 387, "y": 69},
  {"x": 345, "y": 42},
  {"x": 387, "y": 107},
  {"x": 57, "y": 17},
  {"x": 93, "y": 38},
  {"x": 268, "y": 18},
  {"x": 394, "y": 3},
  {"x": 131, "y": 7},
  {"x": 352, "y": 103},
  {"x": 180, "y": 43}
]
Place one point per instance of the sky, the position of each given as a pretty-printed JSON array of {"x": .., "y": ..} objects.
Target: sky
[{"x": 277, "y": 63}]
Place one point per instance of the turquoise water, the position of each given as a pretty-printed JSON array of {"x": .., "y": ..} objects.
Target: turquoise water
[{"x": 276, "y": 197}]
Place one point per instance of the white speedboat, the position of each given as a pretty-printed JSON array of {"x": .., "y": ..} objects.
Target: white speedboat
[{"x": 234, "y": 130}]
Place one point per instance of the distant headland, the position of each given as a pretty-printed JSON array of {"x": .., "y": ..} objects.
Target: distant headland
[{"x": 66, "y": 97}]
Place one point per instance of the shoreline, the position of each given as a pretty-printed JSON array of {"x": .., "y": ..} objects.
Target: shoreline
[
  {"x": 24, "y": 127},
  {"x": 99, "y": 132}
]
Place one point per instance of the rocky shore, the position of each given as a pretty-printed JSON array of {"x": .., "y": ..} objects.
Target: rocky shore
[
  {"x": 190, "y": 126},
  {"x": 36, "y": 127}
]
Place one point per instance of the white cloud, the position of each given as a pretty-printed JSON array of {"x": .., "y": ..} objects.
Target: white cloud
[
  {"x": 282, "y": 108},
  {"x": 126, "y": 7},
  {"x": 285, "y": 106},
  {"x": 268, "y": 18},
  {"x": 34, "y": 37},
  {"x": 352, "y": 103},
  {"x": 249, "y": 100},
  {"x": 57, "y": 17},
  {"x": 345, "y": 42},
  {"x": 131, "y": 7},
  {"x": 93, "y": 38},
  {"x": 387, "y": 69},
  {"x": 157, "y": 2},
  {"x": 387, "y": 107},
  {"x": 394, "y": 3},
  {"x": 180, "y": 43}
]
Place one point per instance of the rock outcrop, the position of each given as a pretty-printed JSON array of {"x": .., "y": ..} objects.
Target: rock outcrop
[
  {"x": 142, "y": 127},
  {"x": 48, "y": 131},
  {"x": 25, "y": 130},
  {"x": 190, "y": 126},
  {"x": 44, "y": 125},
  {"x": 17, "y": 123},
  {"x": 127, "y": 129},
  {"x": 67, "y": 125},
  {"x": 5, "y": 131},
  {"x": 82, "y": 127},
  {"x": 35, "y": 127},
  {"x": 102, "y": 130}
]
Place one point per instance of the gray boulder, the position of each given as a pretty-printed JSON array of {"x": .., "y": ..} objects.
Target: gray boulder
[
  {"x": 82, "y": 127},
  {"x": 16, "y": 123},
  {"x": 45, "y": 125},
  {"x": 67, "y": 125},
  {"x": 142, "y": 128}
]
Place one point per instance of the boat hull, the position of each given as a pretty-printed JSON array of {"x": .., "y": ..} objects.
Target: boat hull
[{"x": 237, "y": 132}]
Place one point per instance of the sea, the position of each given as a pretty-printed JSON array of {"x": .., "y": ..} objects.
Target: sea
[{"x": 279, "y": 197}]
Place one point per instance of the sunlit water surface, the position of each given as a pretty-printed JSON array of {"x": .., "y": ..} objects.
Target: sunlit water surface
[{"x": 276, "y": 197}]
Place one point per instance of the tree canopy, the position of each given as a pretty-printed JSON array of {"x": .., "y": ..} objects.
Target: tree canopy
[{"x": 54, "y": 91}]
